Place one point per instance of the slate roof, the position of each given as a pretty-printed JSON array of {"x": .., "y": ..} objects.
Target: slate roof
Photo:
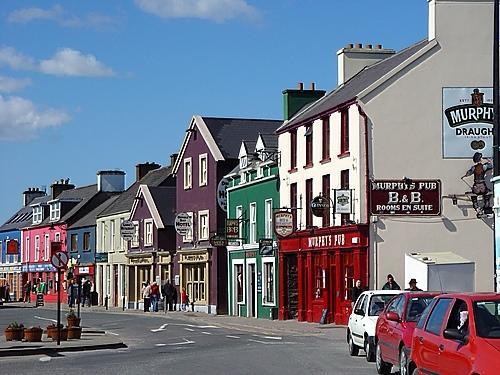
[
  {"x": 125, "y": 200},
  {"x": 351, "y": 88},
  {"x": 164, "y": 198},
  {"x": 83, "y": 194},
  {"x": 229, "y": 132},
  {"x": 23, "y": 217},
  {"x": 250, "y": 146},
  {"x": 90, "y": 219},
  {"x": 270, "y": 141}
]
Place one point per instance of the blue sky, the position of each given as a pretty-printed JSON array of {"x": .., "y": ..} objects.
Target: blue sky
[{"x": 92, "y": 85}]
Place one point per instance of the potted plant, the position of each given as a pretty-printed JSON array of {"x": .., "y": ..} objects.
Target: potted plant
[
  {"x": 51, "y": 328},
  {"x": 74, "y": 332},
  {"x": 73, "y": 320},
  {"x": 33, "y": 334},
  {"x": 64, "y": 334},
  {"x": 14, "y": 332}
]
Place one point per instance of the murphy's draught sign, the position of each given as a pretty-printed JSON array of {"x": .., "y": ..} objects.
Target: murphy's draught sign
[{"x": 467, "y": 122}]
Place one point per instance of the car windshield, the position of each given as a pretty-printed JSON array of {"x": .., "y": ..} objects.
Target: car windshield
[
  {"x": 487, "y": 317},
  {"x": 378, "y": 302},
  {"x": 416, "y": 307}
]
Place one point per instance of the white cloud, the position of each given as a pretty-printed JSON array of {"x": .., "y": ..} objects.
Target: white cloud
[
  {"x": 216, "y": 10},
  {"x": 20, "y": 119},
  {"x": 70, "y": 62},
  {"x": 8, "y": 84},
  {"x": 15, "y": 60},
  {"x": 62, "y": 17}
]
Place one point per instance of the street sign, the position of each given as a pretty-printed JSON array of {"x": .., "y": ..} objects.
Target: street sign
[
  {"x": 183, "y": 223},
  {"x": 283, "y": 223},
  {"x": 127, "y": 230},
  {"x": 320, "y": 206},
  {"x": 218, "y": 240},
  {"x": 59, "y": 259},
  {"x": 232, "y": 229},
  {"x": 266, "y": 246}
]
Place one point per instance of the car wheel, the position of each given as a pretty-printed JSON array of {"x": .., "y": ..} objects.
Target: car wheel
[
  {"x": 353, "y": 348},
  {"x": 370, "y": 356},
  {"x": 403, "y": 362},
  {"x": 383, "y": 368}
]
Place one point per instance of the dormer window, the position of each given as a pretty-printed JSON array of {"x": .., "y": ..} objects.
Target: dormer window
[
  {"x": 55, "y": 211},
  {"x": 37, "y": 214},
  {"x": 243, "y": 161}
]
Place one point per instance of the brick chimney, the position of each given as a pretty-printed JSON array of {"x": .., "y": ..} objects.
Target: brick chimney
[
  {"x": 295, "y": 99},
  {"x": 173, "y": 159},
  {"x": 30, "y": 194},
  {"x": 142, "y": 169},
  {"x": 59, "y": 186}
]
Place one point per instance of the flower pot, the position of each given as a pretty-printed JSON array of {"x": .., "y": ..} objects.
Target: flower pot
[
  {"x": 51, "y": 329},
  {"x": 14, "y": 334},
  {"x": 33, "y": 334},
  {"x": 73, "y": 321},
  {"x": 64, "y": 334},
  {"x": 74, "y": 332}
]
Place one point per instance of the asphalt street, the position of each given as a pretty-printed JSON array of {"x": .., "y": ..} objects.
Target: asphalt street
[{"x": 176, "y": 345}]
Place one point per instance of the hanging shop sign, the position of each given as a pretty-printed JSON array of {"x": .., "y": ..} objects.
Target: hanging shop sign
[
  {"x": 127, "y": 230},
  {"x": 467, "y": 121},
  {"x": 218, "y": 240},
  {"x": 320, "y": 206},
  {"x": 266, "y": 247},
  {"x": 283, "y": 223},
  {"x": 232, "y": 229},
  {"x": 222, "y": 194},
  {"x": 183, "y": 223},
  {"x": 343, "y": 201},
  {"x": 101, "y": 257},
  {"x": 12, "y": 247},
  {"x": 406, "y": 198}
]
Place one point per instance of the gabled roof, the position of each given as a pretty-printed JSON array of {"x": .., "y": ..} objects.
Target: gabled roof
[
  {"x": 270, "y": 141},
  {"x": 224, "y": 135},
  {"x": 161, "y": 204},
  {"x": 350, "y": 90},
  {"x": 24, "y": 216},
  {"x": 248, "y": 147},
  {"x": 124, "y": 202},
  {"x": 90, "y": 219}
]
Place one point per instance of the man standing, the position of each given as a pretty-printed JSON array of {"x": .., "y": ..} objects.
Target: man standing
[
  {"x": 391, "y": 284},
  {"x": 27, "y": 292},
  {"x": 146, "y": 294},
  {"x": 356, "y": 292},
  {"x": 413, "y": 286},
  {"x": 87, "y": 286}
]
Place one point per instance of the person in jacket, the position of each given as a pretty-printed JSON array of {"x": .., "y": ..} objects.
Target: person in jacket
[
  {"x": 155, "y": 296},
  {"x": 391, "y": 284},
  {"x": 168, "y": 295},
  {"x": 27, "y": 292},
  {"x": 413, "y": 286},
  {"x": 87, "y": 286},
  {"x": 146, "y": 294},
  {"x": 356, "y": 292},
  {"x": 174, "y": 297},
  {"x": 184, "y": 300}
]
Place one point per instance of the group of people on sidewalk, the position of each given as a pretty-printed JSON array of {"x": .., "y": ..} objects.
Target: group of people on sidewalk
[
  {"x": 85, "y": 292},
  {"x": 151, "y": 296},
  {"x": 391, "y": 284}
]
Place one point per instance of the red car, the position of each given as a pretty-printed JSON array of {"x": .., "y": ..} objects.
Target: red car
[
  {"x": 458, "y": 334},
  {"x": 394, "y": 330}
]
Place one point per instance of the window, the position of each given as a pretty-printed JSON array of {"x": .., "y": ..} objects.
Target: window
[
  {"x": 436, "y": 318},
  {"x": 189, "y": 236},
  {"x": 293, "y": 203},
  {"x": 46, "y": 250},
  {"x": 86, "y": 241},
  {"x": 103, "y": 235},
  {"x": 344, "y": 184},
  {"x": 416, "y": 307},
  {"x": 268, "y": 275},
  {"x": 55, "y": 211},
  {"x": 344, "y": 131},
  {"x": 57, "y": 237},
  {"x": 325, "y": 182},
  {"x": 148, "y": 232},
  {"x": 203, "y": 225},
  {"x": 194, "y": 276},
  {"x": 238, "y": 271},
  {"x": 74, "y": 242},
  {"x": 425, "y": 314},
  {"x": 243, "y": 161},
  {"x": 360, "y": 303},
  {"x": 37, "y": 214},
  {"x": 123, "y": 244},
  {"x": 268, "y": 212},
  {"x": 112, "y": 235},
  {"x": 293, "y": 149},
  {"x": 27, "y": 250},
  {"x": 309, "y": 146},
  {"x": 239, "y": 215},
  {"x": 487, "y": 318},
  {"x": 253, "y": 223},
  {"x": 37, "y": 248},
  {"x": 135, "y": 239},
  {"x": 203, "y": 171},
  {"x": 309, "y": 197},
  {"x": 325, "y": 155},
  {"x": 188, "y": 178},
  {"x": 378, "y": 302}
]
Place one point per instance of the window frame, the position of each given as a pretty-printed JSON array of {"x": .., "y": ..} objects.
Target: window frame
[
  {"x": 309, "y": 145},
  {"x": 112, "y": 234},
  {"x": 37, "y": 214},
  {"x": 27, "y": 250},
  {"x": 238, "y": 212},
  {"x": 344, "y": 131},
  {"x": 188, "y": 173},
  {"x": 252, "y": 210},
  {"x": 189, "y": 237},
  {"x": 325, "y": 138},
  {"x": 203, "y": 171},
  {"x": 46, "y": 247},
  {"x": 148, "y": 237},
  {"x": 309, "y": 197},
  {"x": 134, "y": 243},
  {"x": 37, "y": 248},
  {"x": 55, "y": 211},
  {"x": 265, "y": 286},
  {"x": 74, "y": 246},
  {"x": 325, "y": 187},
  {"x": 443, "y": 321},
  {"x": 236, "y": 264},
  {"x": 268, "y": 218},
  {"x": 86, "y": 241},
  {"x": 293, "y": 204},
  {"x": 205, "y": 227},
  {"x": 293, "y": 150}
]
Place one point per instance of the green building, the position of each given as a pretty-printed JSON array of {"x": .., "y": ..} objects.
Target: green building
[{"x": 252, "y": 196}]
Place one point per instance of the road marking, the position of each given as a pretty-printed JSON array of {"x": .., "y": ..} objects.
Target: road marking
[
  {"x": 194, "y": 326},
  {"x": 112, "y": 333},
  {"x": 50, "y": 320},
  {"x": 233, "y": 337},
  {"x": 189, "y": 329},
  {"x": 185, "y": 342},
  {"x": 45, "y": 359},
  {"x": 269, "y": 337},
  {"x": 162, "y": 328},
  {"x": 273, "y": 342},
  {"x": 206, "y": 333},
  {"x": 161, "y": 344}
]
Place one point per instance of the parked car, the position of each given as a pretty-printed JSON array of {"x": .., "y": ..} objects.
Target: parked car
[
  {"x": 458, "y": 334},
  {"x": 394, "y": 330},
  {"x": 361, "y": 325}
]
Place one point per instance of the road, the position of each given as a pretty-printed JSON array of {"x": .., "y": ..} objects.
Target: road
[{"x": 178, "y": 345}]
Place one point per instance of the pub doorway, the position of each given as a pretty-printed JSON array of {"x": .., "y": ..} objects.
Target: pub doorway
[
  {"x": 252, "y": 295},
  {"x": 292, "y": 292}
]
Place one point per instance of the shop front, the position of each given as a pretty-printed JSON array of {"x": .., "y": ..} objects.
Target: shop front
[
  {"x": 318, "y": 269},
  {"x": 194, "y": 276},
  {"x": 11, "y": 275},
  {"x": 85, "y": 271},
  {"x": 44, "y": 276},
  {"x": 140, "y": 271}
]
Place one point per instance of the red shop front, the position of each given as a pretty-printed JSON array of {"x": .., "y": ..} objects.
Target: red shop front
[{"x": 317, "y": 271}]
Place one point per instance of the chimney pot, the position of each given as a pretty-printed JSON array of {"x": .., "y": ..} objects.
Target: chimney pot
[
  {"x": 349, "y": 45},
  {"x": 379, "y": 46},
  {"x": 301, "y": 86},
  {"x": 313, "y": 86},
  {"x": 369, "y": 46},
  {"x": 359, "y": 45}
]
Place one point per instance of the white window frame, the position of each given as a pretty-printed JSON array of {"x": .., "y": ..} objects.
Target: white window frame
[
  {"x": 252, "y": 233},
  {"x": 112, "y": 234},
  {"x": 135, "y": 240},
  {"x": 267, "y": 260},
  {"x": 37, "y": 214},
  {"x": 243, "y": 177},
  {"x": 148, "y": 235},
  {"x": 57, "y": 237},
  {"x": 55, "y": 211},
  {"x": 268, "y": 212},
  {"x": 27, "y": 250},
  {"x": 188, "y": 173},
  {"x": 46, "y": 247},
  {"x": 203, "y": 230},
  {"x": 123, "y": 244},
  {"x": 239, "y": 262},
  {"x": 243, "y": 161},
  {"x": 189, "y": 237},
  {"x": 239, "y": 215},
  {"x": 37, "y": 248},
  {"x": 203, "y": 170},
  {"x": 102, "y": 235}
]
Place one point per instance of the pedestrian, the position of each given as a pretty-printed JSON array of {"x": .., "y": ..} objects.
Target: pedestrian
[
  {"x": 87, "y": 286},
  {"x": 155, "y": 296},
  {"x": 184, "y": 300},
  {"x": 174, "y": 297},
  {"x": 146, "y": 294},
  {"x": 27, "y": 292},
  {"x": 413, "y": 286},
  {"x": 71, "y": 294},
  {"x": 167, "y": 295},
  {"x": 7, "y": 293},
  {"x": 391, "y": 284},
  {"x": 356, "y": 292}
]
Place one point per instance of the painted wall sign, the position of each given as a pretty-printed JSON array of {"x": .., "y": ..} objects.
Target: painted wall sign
[
  {"x": 232, "y": 229},
  {"x": 467, "y": 121},
  {"x": 38, "y": 268},
  {"x": 343, "y": 201},
  {"x": 320, "y": 206},
  {"x": 222, "y": 194},
  {"x": 414, "y": 198},
  {"x": 193, "y": 258},
  {"x": 183, "y": 223},
  {"x": 283, "y": 223},
  {"x": 101, "y": 257}
]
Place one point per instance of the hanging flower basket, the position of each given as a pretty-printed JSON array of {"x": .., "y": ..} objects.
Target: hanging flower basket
[
  {"x": 33, "y": 334},
  {"x": 74, "y": 333},
  {"x": 64, "y": 334}
]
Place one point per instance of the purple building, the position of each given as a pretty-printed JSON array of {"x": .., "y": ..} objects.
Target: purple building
[{"x": 209, "y": 151}]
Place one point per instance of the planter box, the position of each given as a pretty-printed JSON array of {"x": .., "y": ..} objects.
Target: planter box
[
  {"x": 73, "y": 322},
  {"x": 51, "y": 329},
  {"x": 64, "y": 334},
  {"x": 74, "y": 332},
  {"x": 33, "y": 334},
  {"x": 14, "y": 334}
]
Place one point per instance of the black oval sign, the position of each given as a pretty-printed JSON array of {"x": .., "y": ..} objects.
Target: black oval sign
[{"x": 320, "y": 206}]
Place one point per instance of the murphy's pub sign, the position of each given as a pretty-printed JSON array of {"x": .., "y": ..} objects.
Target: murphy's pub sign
[
  {"x": 406, "y": 198},
  {"x": 467, "y": 122}
]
